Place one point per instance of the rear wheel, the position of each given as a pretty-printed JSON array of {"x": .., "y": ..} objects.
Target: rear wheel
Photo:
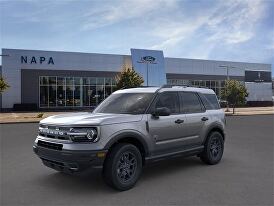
[
  {"x": 214, "y": 148},
  {"x": 123, "y": 166}
]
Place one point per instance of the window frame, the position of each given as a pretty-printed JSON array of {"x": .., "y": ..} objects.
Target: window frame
[
  {"x": 153, "y": 103},
  {"x": 141, "y": 113},
  {"x": 202, "y": 106},
  {"x": 219, "y": 107}
]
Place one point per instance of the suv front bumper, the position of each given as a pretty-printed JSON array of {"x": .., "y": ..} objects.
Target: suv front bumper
[{"x": 70, "y": 160}]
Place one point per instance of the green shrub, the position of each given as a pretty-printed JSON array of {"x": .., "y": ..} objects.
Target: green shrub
[{"x": 40, "y": 115}]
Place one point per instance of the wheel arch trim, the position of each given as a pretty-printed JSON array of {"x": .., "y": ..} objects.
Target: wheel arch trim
[
  {"x": 215, "y": 127},
  {"x": 137, "y": 136}
]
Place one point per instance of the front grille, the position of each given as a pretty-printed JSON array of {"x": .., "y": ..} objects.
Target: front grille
[
  {"x": 64, "y": 133},
  {"x": 50, "y": 145},
  {"x": 64, "y": 137},
  {"x": 54, "y": 132}
]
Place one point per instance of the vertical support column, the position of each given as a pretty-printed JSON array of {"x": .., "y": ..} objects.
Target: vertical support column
[{"x": 81, "y": 92}]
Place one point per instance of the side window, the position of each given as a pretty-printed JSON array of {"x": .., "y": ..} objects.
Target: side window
[
  {"x": 210, "y": 101},
  {"x": 169, "y": 100},
  {"x": 191, "y": 102}
]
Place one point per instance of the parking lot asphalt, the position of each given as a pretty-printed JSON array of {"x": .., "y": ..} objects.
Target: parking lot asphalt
[{"x": 243, "y": 177}]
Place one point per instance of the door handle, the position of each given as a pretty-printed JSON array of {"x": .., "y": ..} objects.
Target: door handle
[
  {"x": 204, "y": 119},
  {"x": 179, "y": 121}
]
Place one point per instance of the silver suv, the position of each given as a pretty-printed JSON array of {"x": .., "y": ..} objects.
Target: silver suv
[{"x": 131, "y": 128}]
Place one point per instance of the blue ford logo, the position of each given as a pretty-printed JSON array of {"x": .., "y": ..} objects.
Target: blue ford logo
[{"x": 148, "y": 59}]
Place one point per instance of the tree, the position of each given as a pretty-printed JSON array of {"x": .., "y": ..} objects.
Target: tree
[
  {"x": 234, "y": 93},
  {"x": 128, "y": 78},
  {"x": 3, "y": 85}
]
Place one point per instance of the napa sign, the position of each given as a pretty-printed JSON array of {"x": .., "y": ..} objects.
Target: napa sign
[{"x": 36, "y": 60}]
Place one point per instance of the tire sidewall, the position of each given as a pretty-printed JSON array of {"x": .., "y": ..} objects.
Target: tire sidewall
[
  {"x": 210, "y": 159},
  {"x": 116, "y": 182}
]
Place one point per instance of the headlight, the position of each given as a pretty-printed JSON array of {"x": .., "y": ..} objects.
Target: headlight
[
  {"x": 92, "y": 135},
  {"x": 84, "y": 134}
]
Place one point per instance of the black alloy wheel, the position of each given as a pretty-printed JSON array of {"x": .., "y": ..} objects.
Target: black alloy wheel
[
  {"x": 126, "y": 166},
  {"x": 123, "y": 166},
  {"x": 213, "y": 148}
]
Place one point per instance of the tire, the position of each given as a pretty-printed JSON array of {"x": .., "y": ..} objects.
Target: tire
[
  {"x": 214, "y": 148},
  {"x": 123, "y": 166}
]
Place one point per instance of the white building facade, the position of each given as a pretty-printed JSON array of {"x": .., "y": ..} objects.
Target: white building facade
[{"x": 52, "y": 79}]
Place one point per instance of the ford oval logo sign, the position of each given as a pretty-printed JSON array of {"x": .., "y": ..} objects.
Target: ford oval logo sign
[{"x": 149, "y": 59}]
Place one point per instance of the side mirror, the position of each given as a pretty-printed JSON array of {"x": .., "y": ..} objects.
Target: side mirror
[{"x": 161, "y": 111}]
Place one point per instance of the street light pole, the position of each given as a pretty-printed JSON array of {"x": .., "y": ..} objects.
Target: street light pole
[
  {"x": 147, "y": 73},
  {"x": 227, "y": 78},
  {"x": 227, "y": 70},
  {"x": 147, "y": 60}
]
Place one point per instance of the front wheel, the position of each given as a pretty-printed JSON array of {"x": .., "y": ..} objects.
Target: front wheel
[
  {"x": 123, "y": 166},
  {"x": 214, "y": 148}
]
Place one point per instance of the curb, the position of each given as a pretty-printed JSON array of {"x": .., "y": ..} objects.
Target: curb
[
  {"x": 248, "y": 114},
  {"x": 19, "y": 122}
]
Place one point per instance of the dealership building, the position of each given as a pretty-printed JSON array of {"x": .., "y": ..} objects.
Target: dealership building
[{"x": 65, "y": 80}]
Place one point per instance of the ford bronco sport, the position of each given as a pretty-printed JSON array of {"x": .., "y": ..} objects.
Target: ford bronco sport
[{"x": 131, "y": 128}]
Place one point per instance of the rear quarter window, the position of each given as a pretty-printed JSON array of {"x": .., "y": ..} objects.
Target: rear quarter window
[{"x": 210, "y": 101}]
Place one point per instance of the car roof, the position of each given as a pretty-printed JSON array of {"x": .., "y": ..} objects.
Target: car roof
[
  {"x": 138, "y": 90},
  {"x": 166, "y": 88}
]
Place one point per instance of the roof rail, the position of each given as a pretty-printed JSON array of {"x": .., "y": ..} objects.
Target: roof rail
[
  {"x": 170, "y": 86},
  {"x": 137, "y": 87},
  {"x": 146, "y": 86},
  {"x": 180, "y": 85}
]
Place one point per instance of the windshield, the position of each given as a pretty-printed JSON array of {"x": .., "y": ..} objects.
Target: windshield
[{"x": 125, "y": 103}]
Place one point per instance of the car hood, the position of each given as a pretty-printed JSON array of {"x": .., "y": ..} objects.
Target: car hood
[{"x": 87, "y": 118}]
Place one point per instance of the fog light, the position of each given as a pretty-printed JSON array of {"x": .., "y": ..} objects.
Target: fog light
[{"x": 101, "y": 154}]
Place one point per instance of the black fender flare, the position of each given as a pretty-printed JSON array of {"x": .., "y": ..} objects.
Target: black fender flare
[
  {"x": 129, "y": 134},
  {"x": 215, "y": 126}
]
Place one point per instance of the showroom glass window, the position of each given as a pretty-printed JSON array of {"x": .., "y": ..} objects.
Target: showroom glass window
[
  {"x": 60, "y": 91},
  {"x": 44, "y": 94},
  {"x": 215, "y": 85}
]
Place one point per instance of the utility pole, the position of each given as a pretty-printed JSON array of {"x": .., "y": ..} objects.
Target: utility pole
[
  {"x": 147, "y": 73},
  {"x": 147, "y": 60}
]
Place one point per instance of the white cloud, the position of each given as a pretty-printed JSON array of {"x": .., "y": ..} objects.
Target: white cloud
[
  {"x": 120, "y": 10},
  {"x": 195, "y": 29},
  {"x": 174, "y": 32},
  {"x": 227, "y": 22},
  {"x": 235, "y": 21}
]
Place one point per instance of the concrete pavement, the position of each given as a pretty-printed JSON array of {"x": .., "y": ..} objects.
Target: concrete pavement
[{"x": 244, "y": 176}]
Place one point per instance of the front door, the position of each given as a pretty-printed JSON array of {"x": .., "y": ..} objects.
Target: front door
[{"x": 167, "y": 131}]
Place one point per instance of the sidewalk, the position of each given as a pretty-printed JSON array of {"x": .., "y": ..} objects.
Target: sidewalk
[
  {"x": 33, "y": 116},
  {"x": 25, "y": 116},
  {"x": 251, "y": 111}
]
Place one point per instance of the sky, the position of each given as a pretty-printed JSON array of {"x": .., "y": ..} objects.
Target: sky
[{"x": 231, "y": 30}]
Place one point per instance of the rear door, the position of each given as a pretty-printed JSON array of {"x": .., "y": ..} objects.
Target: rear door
[{"x": 196, "y": 117}]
